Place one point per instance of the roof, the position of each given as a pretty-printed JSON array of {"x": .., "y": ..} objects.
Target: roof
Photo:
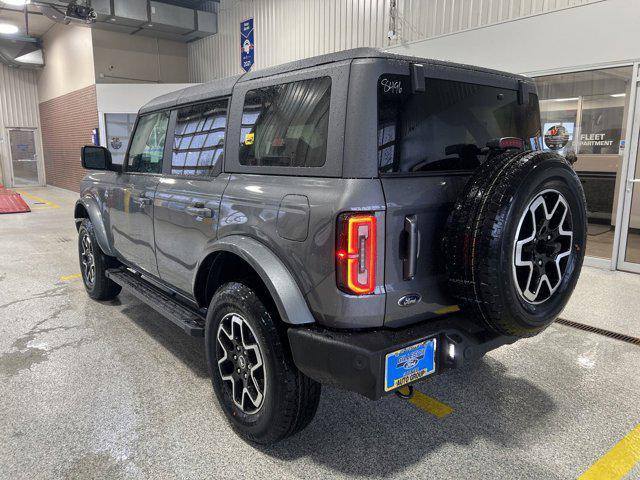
[{"x": 224, "y": 86}]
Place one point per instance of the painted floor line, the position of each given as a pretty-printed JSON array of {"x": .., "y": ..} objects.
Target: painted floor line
[
  {"x": 38, "y": 199},
  {"x": 430, "y": 405},
  {"x": 71, "y": 277},
  {"x": 618, "y": 461}
]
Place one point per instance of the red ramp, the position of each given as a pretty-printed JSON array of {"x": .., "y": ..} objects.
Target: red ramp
[{"x": 12, "y": 202}]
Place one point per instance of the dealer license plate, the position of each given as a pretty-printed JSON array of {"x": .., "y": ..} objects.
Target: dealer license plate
[{"x": 409, "y": 364}]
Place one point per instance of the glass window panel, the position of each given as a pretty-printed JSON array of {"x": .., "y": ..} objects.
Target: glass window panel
[
  {"x": 192, "y": 149},
  {"x": 147, "y": 145},
  {"x": 447, "y": 126},
  {"x": 290, "y": 124}
]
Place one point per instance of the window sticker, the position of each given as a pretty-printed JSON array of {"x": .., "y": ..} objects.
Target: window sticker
[{"x": 249, "y": 138}]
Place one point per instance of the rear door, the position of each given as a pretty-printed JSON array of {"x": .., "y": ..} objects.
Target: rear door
[
  {"x": 131, "y": 199},
  {"x": 429, "y": 143},
  {"x": 187, "y": 201}
]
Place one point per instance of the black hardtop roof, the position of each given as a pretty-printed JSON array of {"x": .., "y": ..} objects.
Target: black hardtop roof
[{"x": 224, "y": 86}]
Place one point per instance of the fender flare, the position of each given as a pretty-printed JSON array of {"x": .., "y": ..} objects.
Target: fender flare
[
  {"x": 284, "y": 290},
  {"x": 95, "y": 215}
]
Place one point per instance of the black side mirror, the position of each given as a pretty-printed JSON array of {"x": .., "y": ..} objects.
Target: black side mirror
[{"x": 96, "y": 158}]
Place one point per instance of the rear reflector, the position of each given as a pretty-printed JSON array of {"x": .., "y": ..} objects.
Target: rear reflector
[{"x": 356, "y": 253}]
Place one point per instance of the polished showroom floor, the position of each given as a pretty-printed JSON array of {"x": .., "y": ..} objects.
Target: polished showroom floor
[{"x": 112, "y": 390}]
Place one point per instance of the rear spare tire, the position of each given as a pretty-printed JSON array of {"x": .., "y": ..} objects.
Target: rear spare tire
[{"x": 515, "y": 241}]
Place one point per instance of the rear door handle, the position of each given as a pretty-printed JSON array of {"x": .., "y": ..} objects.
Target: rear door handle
[
  {"x": 199, "y": 210},
  {"x": 411, "y": 249}
]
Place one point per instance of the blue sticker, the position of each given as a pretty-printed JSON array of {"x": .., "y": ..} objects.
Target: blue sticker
[
  {"x": 247, "y": 45},
  {"x": 409, "y": 364}
]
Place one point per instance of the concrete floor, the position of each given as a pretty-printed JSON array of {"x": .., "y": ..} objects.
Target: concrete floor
[{"x": 111, "y": 390}]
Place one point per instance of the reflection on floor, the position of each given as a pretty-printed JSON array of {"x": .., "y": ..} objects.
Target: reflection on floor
[{"x": 600, "y": 242}]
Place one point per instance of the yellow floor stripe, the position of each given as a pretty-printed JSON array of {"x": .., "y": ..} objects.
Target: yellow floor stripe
[
  {"x": 71, "y": 277},
  {"x": 449, "y": 309},
  {"x": 618, "y": 461},
  {"x": 38, "y": 199},
  {"x": 428, "y": 404}
]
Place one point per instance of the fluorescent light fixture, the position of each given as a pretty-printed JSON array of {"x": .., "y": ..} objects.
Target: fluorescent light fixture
[
  {"x": 16, "y": 2},
  {"x": 8, "y": 29},
  {"x": 618, "y": 95},
  {"x": 572, "y": 99}
]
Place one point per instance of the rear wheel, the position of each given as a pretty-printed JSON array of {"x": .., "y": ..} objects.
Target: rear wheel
[
  {"x": 94, "y": 263},
  {"x": 515, "y": 241},
  {"x": 263, "y": 395}
]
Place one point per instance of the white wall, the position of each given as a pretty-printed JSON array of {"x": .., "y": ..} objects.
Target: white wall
[
  {"x": 124, "y": 58},
  {"x": 68, "y": 67},
  {"x": 18, "y": 108},
  {"x": 603, "y": 32},
  {"x": 287, "y": 30}
]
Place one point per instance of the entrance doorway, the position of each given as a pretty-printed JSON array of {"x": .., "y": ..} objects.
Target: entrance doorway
[
  {"x": 629, "y": 242},
  {"x": 25, "y": 165}
]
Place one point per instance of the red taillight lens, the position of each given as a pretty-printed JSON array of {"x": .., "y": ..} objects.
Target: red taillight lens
[{"x": 356, "y": 253}]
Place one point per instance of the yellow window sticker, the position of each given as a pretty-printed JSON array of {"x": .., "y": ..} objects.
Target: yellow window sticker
[{"x": 248, "y": 138}]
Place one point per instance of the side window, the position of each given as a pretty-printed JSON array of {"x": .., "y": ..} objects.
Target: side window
[
  {"x": 286, "y": 125},
  {"x": 147, "y": 146},
  {"x": 198, "y": 143}
]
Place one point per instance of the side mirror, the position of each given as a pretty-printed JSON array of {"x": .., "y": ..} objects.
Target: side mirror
[{"x": 96, "y": 158}]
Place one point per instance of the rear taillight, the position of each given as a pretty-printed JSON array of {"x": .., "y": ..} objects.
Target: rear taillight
[{"x": 356, "y": 253}]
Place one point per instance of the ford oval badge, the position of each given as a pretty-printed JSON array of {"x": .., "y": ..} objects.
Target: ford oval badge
[{"x": 409, "y": 299}]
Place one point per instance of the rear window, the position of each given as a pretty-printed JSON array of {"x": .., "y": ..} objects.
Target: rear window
[
  {"x": 286, "y": 125},
  {"x": 447, "y": 127}
]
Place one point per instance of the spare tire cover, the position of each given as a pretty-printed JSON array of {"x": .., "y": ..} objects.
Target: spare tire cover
[{"x": 515, "y": 241}]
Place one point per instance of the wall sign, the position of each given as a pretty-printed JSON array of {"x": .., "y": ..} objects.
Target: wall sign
[{"x": 246, "y": 44}]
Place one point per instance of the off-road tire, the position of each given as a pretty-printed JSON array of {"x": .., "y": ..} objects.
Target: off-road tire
[
  {"x": 290, "y": 398},
  {"x": 480, "y": 240},
  {"x": 101, "y": 287}
]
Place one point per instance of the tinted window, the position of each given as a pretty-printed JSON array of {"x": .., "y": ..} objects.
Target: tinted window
[
  {"x": 198, "y": 143},
  {"x": 286, "y": 125},
  {"x": 447, "y": 127},
  {"x": 147, "y": 145}
]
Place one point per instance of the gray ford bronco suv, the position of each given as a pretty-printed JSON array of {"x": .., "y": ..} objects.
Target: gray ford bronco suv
[{"x": 360, "y": 219}]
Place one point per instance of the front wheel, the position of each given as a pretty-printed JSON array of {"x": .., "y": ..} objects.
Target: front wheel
[
  {"x": 263, "y": 395},
  {"x": 94, "y": 263}
]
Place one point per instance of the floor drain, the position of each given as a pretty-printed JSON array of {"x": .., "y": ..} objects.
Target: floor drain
[{"x": 600, "y": 331}]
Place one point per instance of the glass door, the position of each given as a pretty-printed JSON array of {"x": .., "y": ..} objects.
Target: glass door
[
  {"x": 629, "y": 249},
  {"x": 24, "y": 158}
]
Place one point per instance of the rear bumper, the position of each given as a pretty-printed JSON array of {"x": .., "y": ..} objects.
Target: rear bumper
[{"x": 355, "y": 360}]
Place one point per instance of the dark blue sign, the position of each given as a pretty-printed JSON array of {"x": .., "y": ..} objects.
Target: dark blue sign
[{"x": 246, "y": 44}]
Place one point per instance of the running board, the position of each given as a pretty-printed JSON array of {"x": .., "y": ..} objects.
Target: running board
[{"x": 186, "y": 318}]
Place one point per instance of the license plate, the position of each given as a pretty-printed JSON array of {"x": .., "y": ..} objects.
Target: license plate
[{"x": 409, "y": 364}]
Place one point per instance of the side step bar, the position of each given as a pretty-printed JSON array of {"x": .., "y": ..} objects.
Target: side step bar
[{"x": 189, "y": 319}]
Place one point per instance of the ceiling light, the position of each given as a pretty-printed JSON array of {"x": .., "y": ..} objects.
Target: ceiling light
[
  {"x": 616, "y": 95},
  {"x": 572, "y": 99},
  {"x": 16, "y": 2},
  {"x": 8, "y": 29}
]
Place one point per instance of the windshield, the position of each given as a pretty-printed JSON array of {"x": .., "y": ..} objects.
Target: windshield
[{"x": 447, "y": 127}]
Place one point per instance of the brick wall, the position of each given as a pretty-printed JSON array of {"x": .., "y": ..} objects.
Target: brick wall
[{"x": 67, "y": 123}]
